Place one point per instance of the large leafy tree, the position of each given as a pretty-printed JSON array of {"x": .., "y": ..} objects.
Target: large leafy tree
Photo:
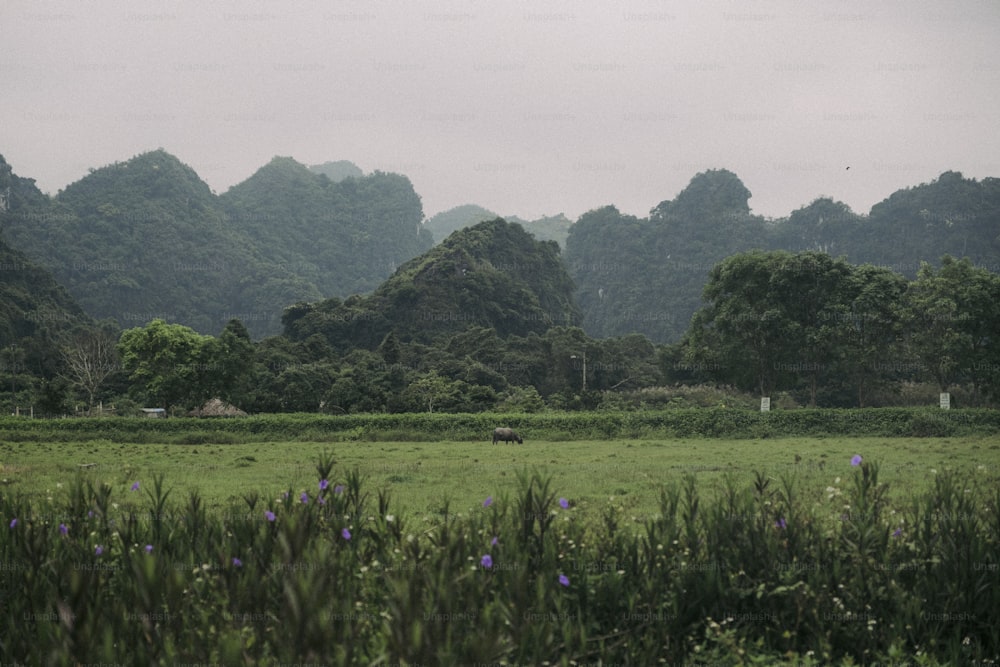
[
  {"x": 743, "y": 331},
  {"x": 778, "y": 320},
  {"x": 166, "y": 363},
  {"x": 871, "y": 327},
  {"x": 952, "y": 317},
  {"x": 229, "y": 363},
  {"x": 810, "y": 290}
]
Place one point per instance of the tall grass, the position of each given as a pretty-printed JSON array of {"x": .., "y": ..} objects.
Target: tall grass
[{"x": 763, "y": 572}]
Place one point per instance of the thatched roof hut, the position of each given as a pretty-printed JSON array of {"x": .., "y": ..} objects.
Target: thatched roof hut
[{"x": 216, "y": 407}]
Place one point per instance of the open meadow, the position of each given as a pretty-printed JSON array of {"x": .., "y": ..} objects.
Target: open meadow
[{"x": 421, "y": 477}]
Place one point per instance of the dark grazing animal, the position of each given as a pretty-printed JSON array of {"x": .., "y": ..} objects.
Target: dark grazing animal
[{"x": 507, "y": 435}]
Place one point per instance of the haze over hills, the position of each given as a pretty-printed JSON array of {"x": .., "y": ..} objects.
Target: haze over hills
[
  {"x": 548, "y": 228},
  {"x": 337, "y": 171}
]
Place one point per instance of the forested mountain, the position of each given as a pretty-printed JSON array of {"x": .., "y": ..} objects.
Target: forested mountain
[
  {"x": 647, "y": 275},
  {"x": 493, "y": 274},
  {"x": 34, "y": 308},
  {"x": 147, "y": 238},
  {"x": 37, "y": 318},
  {"x": 342, "y": 238}
]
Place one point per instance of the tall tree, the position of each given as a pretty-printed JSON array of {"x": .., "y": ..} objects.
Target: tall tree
[
  {"x": 953, "y": 319},
  {"x": 871, "y": 327},
  {"x": 743, "y": 332},
  {"x": 166, "y": 363}
]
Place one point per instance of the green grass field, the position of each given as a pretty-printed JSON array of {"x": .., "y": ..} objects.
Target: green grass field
[
  {"x": 860, "y": 573},
  {"x": 422, "y": 476}
]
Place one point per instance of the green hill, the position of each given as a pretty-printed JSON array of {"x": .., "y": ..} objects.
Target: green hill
[
  {"x": 147, "y": 238},
  {"x": 342, "y": 238},
  {"x": 492, "y": 275}
]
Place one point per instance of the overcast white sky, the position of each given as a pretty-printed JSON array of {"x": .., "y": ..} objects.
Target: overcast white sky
[{"x": 529, "y": 108}]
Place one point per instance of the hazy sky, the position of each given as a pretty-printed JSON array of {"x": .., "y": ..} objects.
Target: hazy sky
[{"x": 529, "y": 108}]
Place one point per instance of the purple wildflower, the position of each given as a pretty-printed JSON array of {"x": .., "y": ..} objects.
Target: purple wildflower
[
  {"x": 563, "y": 503},
  {"x": 564, "y": 580},
  {"x": 488, "y": 501},
  {"x": 98, "y": 550},
  {"x": 135, "y": 486},
  {"x": 781, "y": 523},
  {"x": 897, "y": 532},
  {"x": 322, "y": 500},
  {"x": 149, "y": 548},
  {"x": 63, "y": 529},
  {"x": 269, "y": 515},
  {"x": 856, "y": 460},
  {"x": 346, "y": 534},
  {"x": 486, "y": 561},
  {"x": 13, "y": 522},
  {"x": 237, "y": 562},
  {"x": 494, "y": 541},
  {"x": 90, "y": 514},
  {"x": 323, "y": 483},
  {"x": 338, "y": 489},
  {"x": 304, "y": 497}
]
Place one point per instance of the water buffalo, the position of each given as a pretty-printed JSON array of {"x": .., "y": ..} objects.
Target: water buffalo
[{"x": 507, "y": 435}]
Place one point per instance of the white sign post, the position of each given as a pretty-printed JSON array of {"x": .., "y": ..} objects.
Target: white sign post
[
  {"x": 946, "y": 401},
  {"x": 765, "y": 404}
]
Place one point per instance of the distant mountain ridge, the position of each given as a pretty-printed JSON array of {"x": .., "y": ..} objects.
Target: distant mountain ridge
[
  {"x": 147, "y": 238},
  {"x": 337, "y": 171},
  {"x": 550, "y": 228},
  {"x": 646, "y": 275}
]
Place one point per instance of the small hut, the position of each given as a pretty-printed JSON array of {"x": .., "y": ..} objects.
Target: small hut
[{"x": 216, "y": 407}]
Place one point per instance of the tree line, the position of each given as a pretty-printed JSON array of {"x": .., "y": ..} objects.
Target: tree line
[{"x": 815, "y": 327}]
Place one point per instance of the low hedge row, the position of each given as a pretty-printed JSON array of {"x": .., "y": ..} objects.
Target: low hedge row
[{"x": 686, "y": 423}]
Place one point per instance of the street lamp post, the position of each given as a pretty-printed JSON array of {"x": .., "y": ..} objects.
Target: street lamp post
[{"x": 584, "y": 368}]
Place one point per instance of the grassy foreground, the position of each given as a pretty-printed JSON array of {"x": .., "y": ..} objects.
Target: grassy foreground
[
  {"x": 611, "y": 551},
  {"x": 421, "y": 477}
]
